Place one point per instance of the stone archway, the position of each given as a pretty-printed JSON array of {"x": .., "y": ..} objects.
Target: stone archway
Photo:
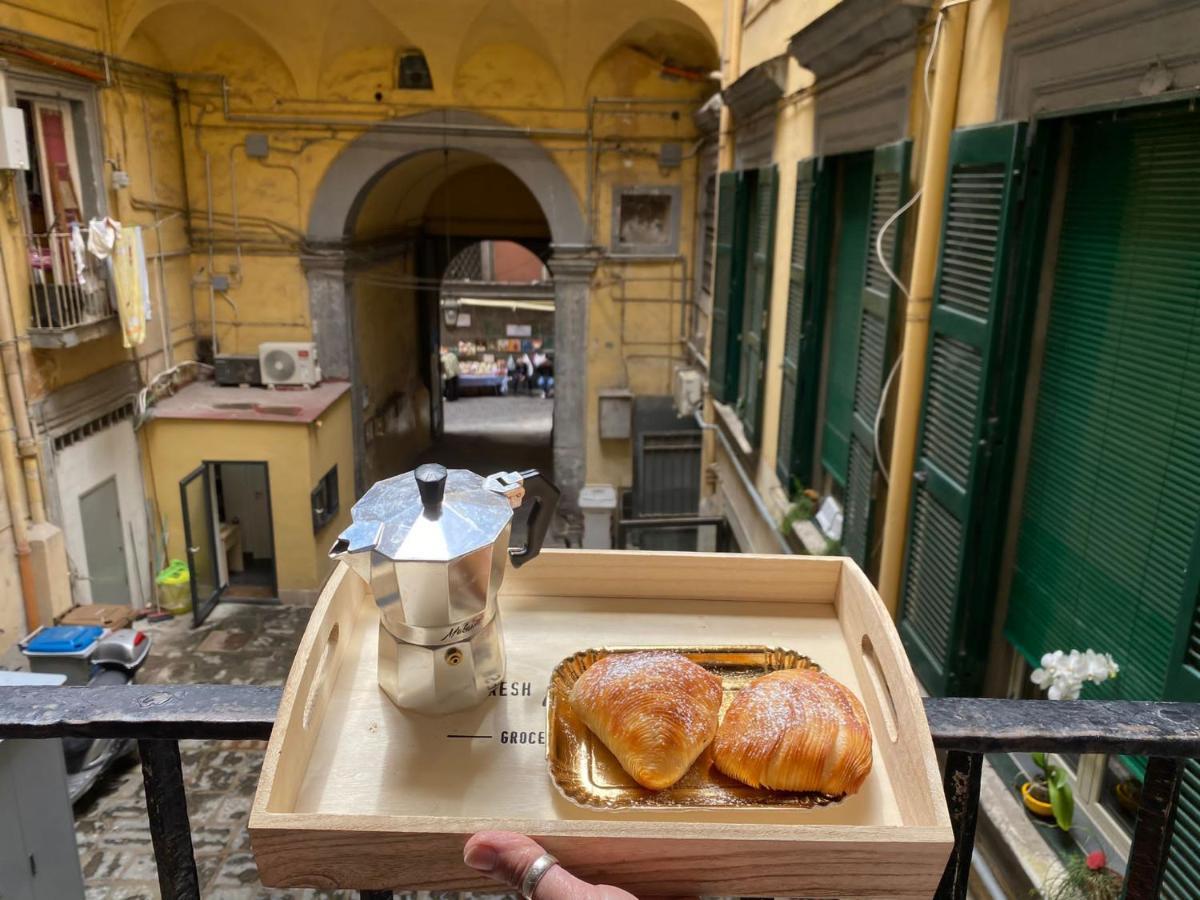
[{"x": 331, "y": 219}]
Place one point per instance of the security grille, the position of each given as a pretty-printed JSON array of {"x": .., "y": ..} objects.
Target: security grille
[{"x": 666, "y": 476}]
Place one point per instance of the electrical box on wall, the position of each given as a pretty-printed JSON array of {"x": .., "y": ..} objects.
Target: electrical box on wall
[
  {"x": 689, "y": 391},
  {"x": 616, "y": 415},
  {"x": 14, "y": 149}
]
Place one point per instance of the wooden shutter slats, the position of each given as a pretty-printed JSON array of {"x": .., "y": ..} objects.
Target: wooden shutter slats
[
  {"x": 940, "y": 632},
  {"x": 758, "y": 301},
  {"x": 728, "y": 273},
  {"x": 889, "y": 177},
  {"x": 1119, "y": 409},
  {"x": 799, "y": 295}
]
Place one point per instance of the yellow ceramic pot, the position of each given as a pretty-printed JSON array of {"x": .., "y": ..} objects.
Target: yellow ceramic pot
[{"x": 1033, "y": 804}]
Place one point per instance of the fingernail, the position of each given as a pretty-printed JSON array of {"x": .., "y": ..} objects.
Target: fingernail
[{"x": 480, "y": 857}]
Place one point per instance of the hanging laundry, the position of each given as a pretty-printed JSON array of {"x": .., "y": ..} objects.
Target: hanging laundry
[
  {"x": 131, "y": 283},
  {"x": 102, "y": 236},
  {"x": 77, "y": 250},
  {"x": 143, "y": 272}
]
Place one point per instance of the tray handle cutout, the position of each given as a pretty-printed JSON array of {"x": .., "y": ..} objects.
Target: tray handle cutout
[
  {"x": 319, "y": 685},
  {"x": 879, "y": 684}
]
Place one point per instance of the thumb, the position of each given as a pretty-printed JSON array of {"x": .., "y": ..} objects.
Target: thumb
[{"x": 506, "y": 857}]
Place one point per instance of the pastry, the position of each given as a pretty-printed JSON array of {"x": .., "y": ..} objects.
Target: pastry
[
  {"x": 795, "y": 730},
  {"x": 656, "y": 711}
]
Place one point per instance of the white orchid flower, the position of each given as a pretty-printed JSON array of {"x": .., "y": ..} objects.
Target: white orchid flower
[{"x": 1062, "y": 675}]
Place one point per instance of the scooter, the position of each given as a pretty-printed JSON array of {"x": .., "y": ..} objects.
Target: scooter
[{"x": 115, "y": 660}]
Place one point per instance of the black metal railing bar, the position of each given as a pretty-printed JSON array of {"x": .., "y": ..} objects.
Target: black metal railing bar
[{"x": 159, "y": 716}]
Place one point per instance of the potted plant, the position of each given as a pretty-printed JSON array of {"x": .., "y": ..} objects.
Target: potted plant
[
  {"x": 1085, "y": 878},
  {"x": 1049, "y": 795},
  {"x": 1062, "y": 676}
]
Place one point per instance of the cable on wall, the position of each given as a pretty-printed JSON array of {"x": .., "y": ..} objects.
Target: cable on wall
[{"x": 891, "y": 220}]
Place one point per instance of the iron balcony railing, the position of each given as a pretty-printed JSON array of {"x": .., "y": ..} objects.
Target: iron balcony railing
[
  {"x": 159, "y": 716},
  {"x": 68, "y": 286}
]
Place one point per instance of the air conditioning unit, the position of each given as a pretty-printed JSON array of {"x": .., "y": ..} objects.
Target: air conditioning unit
[
  {"x": 689, "y": 391},
  {"x": 233, "y": 371},
  {"x": 291, "y": 362}
]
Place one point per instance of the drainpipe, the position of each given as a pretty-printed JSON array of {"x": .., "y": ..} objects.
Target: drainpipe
[
  {"x": 14, "y": 446},
  {"x": 943, "y": 103},
  {"x": 18, "y": 409}
]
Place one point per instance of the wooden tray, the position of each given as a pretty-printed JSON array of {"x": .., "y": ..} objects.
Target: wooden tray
[{"x": 355, "y": 793}]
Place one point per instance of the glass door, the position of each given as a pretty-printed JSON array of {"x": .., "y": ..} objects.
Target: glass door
[{"x": 196, "y": 495}]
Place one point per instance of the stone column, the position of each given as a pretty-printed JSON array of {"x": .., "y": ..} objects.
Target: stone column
[
  {"x": 572, "y": 269},
  {"x": 331, "y": 306}
]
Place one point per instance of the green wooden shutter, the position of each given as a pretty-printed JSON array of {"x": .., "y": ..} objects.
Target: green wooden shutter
[
  {"x": 794, "y": 439},
  {"x": 1112, "y": 489},
  {"x": 944, "y": 632},
  {"x": 849, "y": 266},
  {"x": 755, "y": 313},
  {"x": 728, "y": 285},
  {"x": 889, "y": 191}
]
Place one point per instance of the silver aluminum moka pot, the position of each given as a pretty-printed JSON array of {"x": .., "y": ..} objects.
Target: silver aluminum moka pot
[{"x": 433, "y": 545}]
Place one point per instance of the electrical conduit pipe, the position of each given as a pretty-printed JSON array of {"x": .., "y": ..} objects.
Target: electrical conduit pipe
[{"x": 944, "y": 102}]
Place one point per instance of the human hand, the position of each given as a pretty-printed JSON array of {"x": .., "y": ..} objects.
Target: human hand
[{"x": 506, "y": 857}]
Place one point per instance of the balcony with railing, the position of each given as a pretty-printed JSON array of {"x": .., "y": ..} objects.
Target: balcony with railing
[{"x": 69, "y": 291}]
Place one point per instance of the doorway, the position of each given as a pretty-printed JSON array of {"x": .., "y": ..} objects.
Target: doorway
[
  {"x": 496, "y": 319},
  {"x": 230, "y": 535},
  {"x": 104, "y": 544},
  {"x": 429, "y": 193}
]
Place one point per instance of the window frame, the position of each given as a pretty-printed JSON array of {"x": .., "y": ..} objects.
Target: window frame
[
  {"x": 32, "y": 86},
  {"x": 326, "y": 487},
  {"x": 617, "y": 247}
]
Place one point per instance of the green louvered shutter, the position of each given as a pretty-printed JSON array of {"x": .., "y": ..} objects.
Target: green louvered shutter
[
  {"x": 1181, "y": 875},
  {"x": 728, "y": 285},
  {"x": 889, "y": 191},
  {"x": 849, "y": 261},
  {"x": 944, "y": 632},
  {"x": 1118, "y": 409},
  {"x": 794, "y": 454},
  {"x": 761, "y": 237}
]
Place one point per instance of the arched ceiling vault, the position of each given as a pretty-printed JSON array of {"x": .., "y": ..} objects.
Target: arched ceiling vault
[{"x": 307, "y": 37}]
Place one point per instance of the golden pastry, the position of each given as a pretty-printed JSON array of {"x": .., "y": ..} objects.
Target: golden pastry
[
  {"x": 656, "y": 711},
  {"x": 795, "y": 730}
]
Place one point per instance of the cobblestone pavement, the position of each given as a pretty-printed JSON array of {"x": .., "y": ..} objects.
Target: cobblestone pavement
[{"x": 487, "y": 434}]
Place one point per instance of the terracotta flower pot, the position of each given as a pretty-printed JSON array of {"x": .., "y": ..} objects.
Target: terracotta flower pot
[{"x": 1038, "y": 807}]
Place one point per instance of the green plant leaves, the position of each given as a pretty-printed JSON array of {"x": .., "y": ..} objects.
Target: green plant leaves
[
  {"x": 1062, "y": 801},
  {"x": 1039, "y": 759}
]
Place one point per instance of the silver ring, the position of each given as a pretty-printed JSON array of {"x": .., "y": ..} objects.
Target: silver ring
[{"x": 536, "y": 873}]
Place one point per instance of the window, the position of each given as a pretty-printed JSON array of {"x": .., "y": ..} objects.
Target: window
[
  {"x": 325, "y": 500},
  {"x": 63, "y": 184},
  {"x": 646, "y": 220},
  {"x": 59, "y": 193}
]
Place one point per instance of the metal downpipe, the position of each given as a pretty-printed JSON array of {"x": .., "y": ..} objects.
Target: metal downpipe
[{"x": 943, "y": 107}]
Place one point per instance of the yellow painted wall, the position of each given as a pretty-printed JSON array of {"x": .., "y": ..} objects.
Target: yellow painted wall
[
  {"x": 331, "y": 444},
  {"x": 12, "y": 614},
  {"x": 296, "y": 455},
  {"x": 769, "y": 24},
  {"x": 983, "y": 52},
  {"x": 397, "y": 400},
  {"x": 522, "y": 61}
]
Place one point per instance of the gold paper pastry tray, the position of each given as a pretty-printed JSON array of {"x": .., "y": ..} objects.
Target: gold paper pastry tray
[{"x": 587, "y": 773}]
